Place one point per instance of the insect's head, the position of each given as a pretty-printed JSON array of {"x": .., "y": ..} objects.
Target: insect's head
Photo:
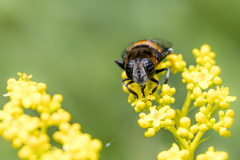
[{"x": 140, "y": 70}]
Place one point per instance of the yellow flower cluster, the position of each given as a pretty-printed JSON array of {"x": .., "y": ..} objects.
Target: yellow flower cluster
[
  {"x": 175, "y": 62},
  {"x": 225, "y": 121},
  {"x": 205, "y": 74},
  {"x": 158, "y": 117},
  {"x": 197, "y": 78},
  {"x": 77, "y": 144},
  {"x": 204, "y": 56},
  {"x": 174, "y": 154},
  {"x": 211, "y": 155},
  {"x": 30, "y": 133},
  {"x": 215, "y": 99}
]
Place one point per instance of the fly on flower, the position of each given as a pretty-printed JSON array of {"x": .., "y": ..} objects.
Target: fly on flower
[{"x": 140, "y": 60}]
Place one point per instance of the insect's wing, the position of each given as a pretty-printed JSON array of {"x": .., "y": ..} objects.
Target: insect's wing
[
  {"x": 162, "y": 43},
  {"x": 125, "y": 51}
]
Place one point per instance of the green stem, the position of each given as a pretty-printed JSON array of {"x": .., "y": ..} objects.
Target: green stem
[
  {"x": 182, "y": 141},
  {"x": 195, "y": 143},
  {"x": 213, "y": 110},
  {"x": 44, "y": 128},
  {"x": 186, "y": 104}
]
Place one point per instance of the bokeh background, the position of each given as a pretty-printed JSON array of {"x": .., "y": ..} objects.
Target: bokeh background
[{"x": 72, "y": 45}]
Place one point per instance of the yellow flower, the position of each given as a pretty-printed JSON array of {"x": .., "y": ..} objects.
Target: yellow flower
[
  {"x": 156, "y": 116},
  {"x": 156, "y": 119},
  {"x": 173, "y": 154},
  {"x": 223, "y": 94},
  {"x": 203, "y": 78}
]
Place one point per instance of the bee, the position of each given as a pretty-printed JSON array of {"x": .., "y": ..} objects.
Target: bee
[{"x": 140, "y": 60}]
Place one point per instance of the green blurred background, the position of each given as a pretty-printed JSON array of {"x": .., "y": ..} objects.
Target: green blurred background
[{"x": 72, "y": 45}]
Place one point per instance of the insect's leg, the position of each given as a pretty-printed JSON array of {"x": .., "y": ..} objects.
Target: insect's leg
[
  {"x": 142, "y": 89},
  {"x": 126, "y": 85},
  {"x": 167, "y": 75},
  {"x": 165, "y": 53},
  {"x": 154, "y": 80},
  {"x": 120, "y": 63}
]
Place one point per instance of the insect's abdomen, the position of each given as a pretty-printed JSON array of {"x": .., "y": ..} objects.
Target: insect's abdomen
[{"x": 145, "y": 42}]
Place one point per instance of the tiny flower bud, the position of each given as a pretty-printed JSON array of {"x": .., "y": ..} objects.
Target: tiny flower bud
[
  {"x": 191, "y": 68},
  {"x": 57, "y": 98},
  {"x": 227, "y": 122},
  {"x": 46, "y": 98},
  {"x": 17, "y": 143},
  {"x": 27, "y": 102},
  {"x": 173, "y": 90},
  {"x": 183, "y": 132},
  {"x": 216, "y": 127},
  {"x": 41, "y": 87},
  {"x": 149, "y": 133},
  {"x": 95, "y": 145},
  {"x": 223, "y": 104},
  {"x": 171, "y": 113},
  {"x": 190, "y": 86},
  {"x": 45, "y": 116},
  {"x": 205, "y": 49},
  {"x": 143, "y": 123},
  {"x": 230, "y": 113},
  {"x": 194, "y": 129},
  {"x": 149, "y": 103},
  {"x": 190, "y": 135},
  {"x": 64, "y": 127},
  {"x": 215, "y": 70},
  {"x": 142, "y": 115},
  {"x": 200, "y": 117},
  {"x": 221, "y": 113},
  {"x": 140, "y": 105},
  {"x": 24, "y": 152},
  {"x": 203, "y": 127},
  {"x": 217, "y": 80},
  {"x": 197, "y": 92},
  {"x": 200, "y": 101},
  {"x": 166, "y": 89},
  {"x": 224, "y": 132},
  {"x": 168, "y": 122},
  {"x": 185, "y": 122},
  {"x": 203, "y": 110}
]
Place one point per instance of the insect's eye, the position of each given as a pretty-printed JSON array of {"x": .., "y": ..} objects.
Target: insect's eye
[
  {"x": 149, "y": 67},
  {"x": 129, "y": 69}
]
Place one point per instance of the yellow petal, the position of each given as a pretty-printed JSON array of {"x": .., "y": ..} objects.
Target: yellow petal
[
  {"x": 156, "y": 122},
  {"x": 150, "y": 97},
  {"x": 230, "y": 98},
  {"x": 203, "y": 84}
]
